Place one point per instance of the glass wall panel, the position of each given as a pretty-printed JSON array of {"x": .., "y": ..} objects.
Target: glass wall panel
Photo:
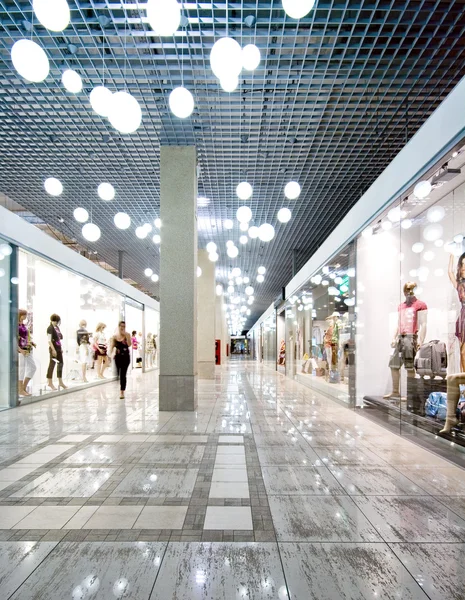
[
  {"x": 134, "y": 316},
  {"x": 8, "y": 339},
  {"x": 152, "y": 329},
  {"x": 269, "y": 341}
]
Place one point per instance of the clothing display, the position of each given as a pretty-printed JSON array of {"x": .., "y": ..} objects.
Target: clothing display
[
  {"x": 100, "y": 344},
  {"x": 460, "y": 323},
  {"x": 408, "y": 315},
  {"x": 55, "y": 337},
  {"x": 404, "y": 351},
  {"x": 26, "y": 366}
]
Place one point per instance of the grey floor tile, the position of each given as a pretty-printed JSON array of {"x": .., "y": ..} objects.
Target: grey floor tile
[
  {"x": 375, "y": 481},
  {"x": 97, "y": 571},
  {"x": 17, "y": 561},
  {"x": 157, "y": 483},
  {"x": 346, "y": 572},
  {"x": 455, "y": 503},
  {"x": 438, "y": 481},
  {"x": 412, "y": 518},
  {"x": 341, "y": 456},
  {"x": 101, "y": 454},
  {"x": 300, "y": 481},
  {"x": 320, "y": 519},
  {"x": 67, "y": 482},
  {"x": 220, "y": 571},
  {"x": 438, "y": 568}
]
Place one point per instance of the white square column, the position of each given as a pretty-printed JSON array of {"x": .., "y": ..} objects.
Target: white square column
[
  {"x": 206, "y": 317},
  {"x": 178, "y": 278}
]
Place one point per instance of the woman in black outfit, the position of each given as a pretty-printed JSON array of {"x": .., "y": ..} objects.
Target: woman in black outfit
[
  {"x": 120, "y": 345},
  {"x": 55, "y": 337}
]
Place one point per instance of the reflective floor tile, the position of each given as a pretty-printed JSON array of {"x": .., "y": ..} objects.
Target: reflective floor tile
[
  {"x": 165, "y": 439},
  {"x": 10, "y": 515},
  {"x": 81, "y": 517},
  {"x": 285, "y": 480},
  {"x": 228, "y": 517},
  {"x": 55, "y": 449},
  {"x": 412, "y": 519},
  {"x": 408, "y": 456},
  {"x": 195, "y": 439},
  {"x": 328, "y": 439},
  {"x": 231, "y": 439},
  {"x": 339, "y": 456},
  {"x": 227, "y": 489},
  {"x": 438, "y": 568},
  {"x": 14, "y": 473},
  {"x": 229, "y": 460},
  {"x": 232, "y": 474},
  {"x": 10, "y": 452},
  {"x": 109, "y": 438},
  {"x": 273, "y": 456},
  {"x": 375, "y": 481},
  {"x": 455, "y": 503},
  {"x": 346, "y": 572},
  {"x": 113, "y": 517},
  {"x": 74, "y": 437},
  {"x": 157, "y": 483},
  {"x": 102, "y": 454},
  {"x": 279, "y": 439},
  {"x": 161, "y": 517},
  {"x": 173, "y": 454},
  {"x": 132, "y": 438},
  {"x": 17, "y": 561},
  {"x": 220, "y": 571},
  {"x": 97, "y": 571},
  {"x": 320, "y": 519},
  {"x": 57, "y": 483},
  {"x": 4, "y": 485},
  {"x": 438, "y": 481},
  {"x": 230, "y": 450},
  {"x": 47, "y": 517}
]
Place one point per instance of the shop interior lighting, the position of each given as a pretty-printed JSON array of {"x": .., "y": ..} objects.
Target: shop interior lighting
[
  {"x": 219, "y": 290},
  {"x": 122, "y": 220},
  {"x": 253, "y": 232},
  {"x": 236, "y": 272},
  {"x": 244, "y": 226},
  {"x": 141, "y": 232},
  {"x": 226, "y": 57},
  {"x": 228, "y": 224},
  {"x": 157, "y": 223},
  {"x": 436, "y": 214},
  {"x": 428, "y": 255},
  {"x": 417, "y": 247},
  {"x": 406, "y": 223},
  {"x": 229, "y": 244},
  {"x": 246, "y": 279},
  {"x": 422, "y": 189},
  {"x": 386, "y": 225},
  {"x": 229, "y": 83},
  {"x": 211, "y": 247},
  {"x": 239, "y": 280},
  {"x": 325, "y": 282},
  {"x": 433, "y": 232},
  {"x": 232, "y": 252},
  {"x": 181, "y": 102},
  {"x": 52, "y": 14},
  {"x": 292, "y": 190},
  {"x": 243, "y": 214},
  {"x": 106, "y": 191},
  {"x": 367, "y": 232},
  {"x": 260, "y": 278},
  {"x": 213, "y": 256},
  {"x": 202, "y": 202},
  {"x": 439, "y": 243},
  {"x": 266, "y": 232},
  {"x": 243, "y": 239},
  {"x": 30, "y": 60},
  {"x": 148, "y": 228},
  {"x": 164, "y": 16},
  {"x": 297, "y": 9},
  {"x": 53, "y": 186}
]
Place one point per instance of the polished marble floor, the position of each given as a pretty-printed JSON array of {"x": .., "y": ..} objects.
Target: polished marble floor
[{"x": 268, "y": 491}]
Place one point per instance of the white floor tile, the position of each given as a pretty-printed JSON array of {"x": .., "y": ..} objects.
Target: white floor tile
[
  {"x": 161, "y": 517},
  {"x": 195, "y": 439},
  {"x": 228, "y": 517},
  {"x": 10, "y": 515},
  {"x": 109, "y": 438},
  {"x": 230, "y": 450},
  {"x": 113, "y": 517},
  {"x": 229, "y": 460},
  {"x": 229, "y": 475},
  {"x": 74, "y": 437},
  {"x": 13, "y": 473},
  {"x": 134, "y": 437},
  {"x": 231, "y": 439},
  {"x": 81, "y": 517},
  {"x": 228, "y": 489},
  {"x": 47, "y": 517}
]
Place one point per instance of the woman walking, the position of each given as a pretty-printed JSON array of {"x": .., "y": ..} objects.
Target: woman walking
[{"x": 120, "y": 344}]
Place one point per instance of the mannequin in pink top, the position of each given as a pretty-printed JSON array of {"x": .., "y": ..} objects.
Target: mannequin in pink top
[{"x": 410, "y": 335}]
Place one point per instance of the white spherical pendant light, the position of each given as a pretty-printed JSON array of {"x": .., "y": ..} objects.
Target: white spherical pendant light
[
  {"x": 181, "y": 102},
  {"x": 211, "y": 247},
  {"x": 30, "y": 60},
  {"x": 156, "y": 239},
  {"x": 148, "y": 272},
  {"x": 53, "y": 186},
  {"x": 433, "y": 232},
  {"x": 81, "y": 215},
  {"x": 213, "y": 256},
  {"x": 155, "y": 278},
  {"x": 266, "y": 232},
  {"x": 244, "y": 190},
  {"x": 284, "y": 215},
  {"x": 260, "y": 278},
  {"x": 199, "y": 272},
  {"x": 164, "y": 16},
  {"x": 417, "y": 247},
  {"x": 226, "y": 57},
  {"x": 6, "y": 249},
  {"x": 141, "y": 232},
  {"x": 219, "y": 290},
  {"x": 261, "y": 270},
  {"x": 292, "y": 190},
  {"x": 100, "y": 99},
  {"x": 122, "y": 220},
  {"x": 243, "y": 214},
  {"x": 435, "y": 214},
  {"x": 395, "y": 214},
  {"x": 229, "y": 244},
  {"x": 124, "y": 112},
  {"x": 106, "y": 191},
  {"x": 72, "y": 81},
  {"x": 250, "y": 57},
  {"x": 243, "y": 239},
  {"x": 91, "y": 232},
  {"x": 422, "y": 189},
  {"x": 229, "y": 82},
  {"x": 228, "y": 224},
  {"x": 244, "y": 226},
  {"x": 297, "y": 9},
  {"x": 236, "y": 272},
  {"x": 157, "y": 223},
  {"x": 232, "y": 251},
  {"x": 249, "y": 290},
  {"x": 253, "y": 232},
  {"x": 406, "y": 223},
  {"x": 52, "y": 14}
]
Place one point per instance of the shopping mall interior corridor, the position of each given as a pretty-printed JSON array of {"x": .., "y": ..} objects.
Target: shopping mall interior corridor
[{"x": 268, "y": 491}]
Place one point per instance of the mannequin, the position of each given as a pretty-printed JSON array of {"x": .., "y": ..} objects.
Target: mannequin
[
  {"x": 55, "y": 338},
  {"x": 457, "y": 278},
  {"x": 100, "y": 350},
  {"x": 27, "y": 365},
  {"x": 453, "y": 394},
  {"x": 331, "y": 340},
  {"x": 155, "y": 349},
  {"x": 410, "y": 335},
  {"x": 82, "y": 338},
  {"x": 149, "y": 350}
]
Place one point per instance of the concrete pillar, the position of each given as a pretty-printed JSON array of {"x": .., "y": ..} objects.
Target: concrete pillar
[
  {"x": 178, "y": 278},
  {"x": 206, "y": 317}
]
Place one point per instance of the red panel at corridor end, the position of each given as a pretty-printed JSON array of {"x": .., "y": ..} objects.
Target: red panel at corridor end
[{"x": 217, "y": 352}]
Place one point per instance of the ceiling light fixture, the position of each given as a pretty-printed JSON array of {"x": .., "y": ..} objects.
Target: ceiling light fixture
[
  {"x": 122, "y": 220},
  {"x": 156, "y": 239},
  {"x": 52, "y": 14},
  {"x": 232, "y": 251},
  {"x": 266, "y": 232},
  {"x": 148, "y": 272},
  {"x": 250, "y": 57},
  {"x": 229, "y": 82},
  {"x": 72, "y": 81},
  {"x": 53, "y": 186},
  {"x": 181, "y": 102},
  {"x": 124, "y": 112},
  {"x": 155, "y": 278},
  {"x": 213, "y": 256},
  {"x": 244, "y": 190},
  {"x": 199, "y": 272},
  {"x": 243, "y": 239},
  {"x": 422, "y": 189},
  {"x": 141, "y": 232},
  {"x": 157, "y": 223},
  {"x": 228, "y": 224},
  {"x": 91, "y": 232},
  {"x": 284, "y": 215},
  {"x": 30, "y": 60},
  {"x": 260, "y": 278},
  {"x": 226, "y": 57},
  {"x": 261, "y": 270},
  {"x": 106, "y": 191},
  {"x": 219, "y": 290},
  {"x": 243, "y": 214},
  {"x": 100, "y": 100},
  {"x": 297, "y": 9},
  {"x": 292, "y": 190},
  {"x": 81, "y": 215},
  {"x": 164, "y": 16},
  {"x": 253, "y": 232}
]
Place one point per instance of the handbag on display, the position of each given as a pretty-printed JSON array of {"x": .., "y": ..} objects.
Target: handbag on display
[
  {"x": 436, "y": 405},
  {"x": 460, "y": 413},
  {"x": 431, "y": 359}
]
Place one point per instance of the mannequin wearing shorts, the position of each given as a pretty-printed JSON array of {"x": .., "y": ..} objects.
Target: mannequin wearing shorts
[
  {"x": 410, "y": 335},
  {"x": 27, "y": 366},
  {"x": 55, "y": 338},
  {"x": 82, "y": 339},
  {"x": 100, "y": 350}
]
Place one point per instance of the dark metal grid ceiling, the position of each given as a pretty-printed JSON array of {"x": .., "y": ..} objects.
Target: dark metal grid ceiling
[{"x": 335, "y": 97}]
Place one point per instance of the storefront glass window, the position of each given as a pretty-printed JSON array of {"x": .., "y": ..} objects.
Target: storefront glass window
[
  {"x": 8, "y": 346},
  {"x": 152, "y": 326}
]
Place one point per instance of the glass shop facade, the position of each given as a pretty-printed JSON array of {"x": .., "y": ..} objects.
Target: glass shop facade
[
  {"x": 380, "y": 326},
  {"x": 33, "y": 289}
]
